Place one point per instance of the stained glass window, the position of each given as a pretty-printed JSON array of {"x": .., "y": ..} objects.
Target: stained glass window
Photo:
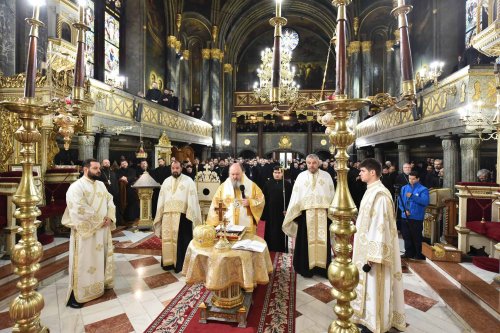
[
  {"x": 90, "y": 38},
  {"x": 111, "y": 47}
]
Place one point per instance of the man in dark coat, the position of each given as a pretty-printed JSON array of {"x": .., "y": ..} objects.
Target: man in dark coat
[
  {"x": 154, "y": 94},
  {"x": 108, "y": 177},
  {"x": 159, "y": 174},
  {"x": 129, "y": 201},
  {"x": 277, "y": 193}
]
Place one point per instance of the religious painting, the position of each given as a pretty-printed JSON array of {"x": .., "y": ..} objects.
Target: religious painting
[
  {"x": 155, "y": 44},
  {"x": 89, "y": 17},
  {"x": 111, "y": 30},
  {"x": 470, "y": 15},
  {"x": 112, "y": 62},
  {"x": 155, "y": 21},
  {"x": 89, "y": 42}
]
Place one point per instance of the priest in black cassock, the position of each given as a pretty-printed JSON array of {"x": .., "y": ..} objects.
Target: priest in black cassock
[
  {"x": 277, "y": 193},
  {"x": 159, "y": 174},
  {"x": 129, "y": 201}
]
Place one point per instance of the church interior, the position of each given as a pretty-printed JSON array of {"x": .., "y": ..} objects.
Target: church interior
[{"x": 411, "y": 83}]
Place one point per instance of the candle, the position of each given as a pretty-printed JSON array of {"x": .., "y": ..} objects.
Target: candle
[
  {"x": 278, "y": 8},
  {"x": 81, "y": 10}
]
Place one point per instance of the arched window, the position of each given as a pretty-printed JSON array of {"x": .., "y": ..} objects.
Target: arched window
[{"x": 66, "y": 32}]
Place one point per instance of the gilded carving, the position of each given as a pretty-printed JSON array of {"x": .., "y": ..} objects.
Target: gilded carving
[
  {"x": 164, "y": 141},
  {"x": 285, "y": 142},
  {"x": 205, "y": 53},
  {"x": 463, "y": 92},
  {"x": 9, "y": 122},
  {"x": 477, "y": 91},
  {"x": 228, "y": 68},
  {"x": 52, "y": 148}
]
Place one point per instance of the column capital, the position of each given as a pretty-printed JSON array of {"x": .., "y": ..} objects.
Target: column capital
[
  {"x": 389, "y": 45},
  {"x": 354, "y": 47},
  {"x": 171, "y": 41},
  {"x": 217, "y": 54},
  {"x": 402, "y": 146},
  {"x": 228, "y": 68},
  {"x": 205, "y": 53},
  {"x": 470, "y": 143},
  {"x": 366, "y": 46},
  {"x": 449, "y": 143},
  {"x": 186, "y": 54}
]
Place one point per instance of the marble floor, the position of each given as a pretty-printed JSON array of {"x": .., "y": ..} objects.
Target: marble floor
[{"x": 143, "y": 289}]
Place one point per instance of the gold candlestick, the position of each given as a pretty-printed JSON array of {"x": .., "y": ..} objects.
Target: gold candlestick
[{"x": 25, "y": 309}]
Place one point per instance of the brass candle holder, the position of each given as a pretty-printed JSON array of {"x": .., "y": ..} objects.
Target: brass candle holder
[
  {"x": 342, "y": 273},
  {"x": 25, "y": 309}
]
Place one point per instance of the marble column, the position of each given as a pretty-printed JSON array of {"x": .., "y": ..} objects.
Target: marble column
[
  {"x": 379, "y": 154},
  {"x": 451, "y": 161},
  {"x": 361, "y": 154},
  {"x": 228, "y": 102},
  {"x": 172, "y": 69},
  {"x": 184, "y": 83},
  {"x": 135, "y": 63},
  {"x": 469, "y": 148},
  {"x": 367, "y": 74},
  {"x": 85, "y": 146},
  {"x": 103, "y": 147},
  {"x": 355, "y": 72},
  {"x": 8, "y": 37},
  {"x": 234, "y": 135},
  {"x": 206, "y": 106},
  {"x": 215, "y": 92},
  {"x": 390, "y": 70},
  {"x": 403, "y": 155}
]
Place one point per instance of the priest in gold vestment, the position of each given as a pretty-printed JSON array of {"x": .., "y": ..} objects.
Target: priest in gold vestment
[
  {"x": 242, "y": 199},
  {"x": 178, "y": 212},
  {"x": 380, "y": 303},
  {"x": 90, "y": 214},
  {"x": 307, "y": 219}
]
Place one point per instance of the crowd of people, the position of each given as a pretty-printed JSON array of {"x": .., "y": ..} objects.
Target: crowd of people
[{"x": 294, "y": 204}]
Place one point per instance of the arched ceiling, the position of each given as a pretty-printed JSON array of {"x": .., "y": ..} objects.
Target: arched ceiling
[{"x": 240, "y": 22}]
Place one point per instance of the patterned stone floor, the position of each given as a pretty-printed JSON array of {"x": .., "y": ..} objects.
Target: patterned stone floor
[{"x": 143, "y": 289}]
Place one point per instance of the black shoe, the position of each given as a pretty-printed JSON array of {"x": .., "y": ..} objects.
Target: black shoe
[
  {"x": 363, "y": 329},
  {"x": 72, "y": 303},
  {"x": 404, "y": 256},
  {"x": 75, "y": 305},
  {"x": 420, "y": 257}
]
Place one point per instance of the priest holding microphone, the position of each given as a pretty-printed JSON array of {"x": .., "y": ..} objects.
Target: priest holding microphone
[{"x": 242, "y": 198}]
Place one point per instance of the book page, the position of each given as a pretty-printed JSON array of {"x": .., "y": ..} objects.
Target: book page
[{"x": 249, "y": 245}]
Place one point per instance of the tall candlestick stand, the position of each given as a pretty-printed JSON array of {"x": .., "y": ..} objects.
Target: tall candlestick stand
[{"x": 25, "y": 309}]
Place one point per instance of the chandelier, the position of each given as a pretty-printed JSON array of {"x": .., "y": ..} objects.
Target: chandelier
[
  {"x": 484, "y": 124},
  {"x": 289, "y": 89}
]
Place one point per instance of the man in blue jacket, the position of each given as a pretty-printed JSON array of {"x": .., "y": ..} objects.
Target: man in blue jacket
[{"x": 413, "y": 200}]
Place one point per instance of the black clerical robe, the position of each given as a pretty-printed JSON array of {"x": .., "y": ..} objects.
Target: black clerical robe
[
  {"x": 108, "y": 177},
  {"x": 159, "y": 174},
  {"x": 153, "y": 95},
  {"x": 129, "y": 201},
  {"x": 276, "y": 203}
]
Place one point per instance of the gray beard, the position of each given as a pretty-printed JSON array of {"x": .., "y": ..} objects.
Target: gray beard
[{"x": 236, "y": 184}]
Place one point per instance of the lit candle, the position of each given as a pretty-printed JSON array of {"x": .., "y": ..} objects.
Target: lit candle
[
  {"x": 278, "y": 8},
  {"x": 81, "y": 10}
]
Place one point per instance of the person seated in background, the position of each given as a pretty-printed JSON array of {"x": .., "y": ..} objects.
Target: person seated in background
[
  {"x": 154, "y": 94},
  {"x": 484, "y": 176}
]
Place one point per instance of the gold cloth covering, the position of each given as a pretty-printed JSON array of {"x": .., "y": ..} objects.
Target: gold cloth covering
[{"x": 219, "y": 269}]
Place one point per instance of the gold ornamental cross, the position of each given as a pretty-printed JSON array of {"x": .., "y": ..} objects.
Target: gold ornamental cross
[{"x": 220, "y": 210}]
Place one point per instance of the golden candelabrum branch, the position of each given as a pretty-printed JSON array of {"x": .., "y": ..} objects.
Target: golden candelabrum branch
[
  {"x": 65, "y": 121},
  {"x": 26, "y": 308}
]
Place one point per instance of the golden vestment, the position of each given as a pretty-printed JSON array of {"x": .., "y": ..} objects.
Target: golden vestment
[{"x": 231, "y": 199}]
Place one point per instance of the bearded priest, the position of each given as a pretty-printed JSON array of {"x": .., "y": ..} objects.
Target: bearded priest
[
  {"x": 90, "y": 214},
  {"x": 241, "y": 197},
  {"x": 379, "y": 304},
  {"x": 177, "y": 213},
  {"x": 307, "y": 219}
]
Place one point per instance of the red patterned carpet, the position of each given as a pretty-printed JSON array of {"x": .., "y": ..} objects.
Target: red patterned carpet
[
  {"x": 151, "y": 243},
  {"x": 273, "y": 308}
]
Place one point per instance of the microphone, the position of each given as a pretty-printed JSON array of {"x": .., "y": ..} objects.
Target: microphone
[{"x": 242, "y": 189}]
